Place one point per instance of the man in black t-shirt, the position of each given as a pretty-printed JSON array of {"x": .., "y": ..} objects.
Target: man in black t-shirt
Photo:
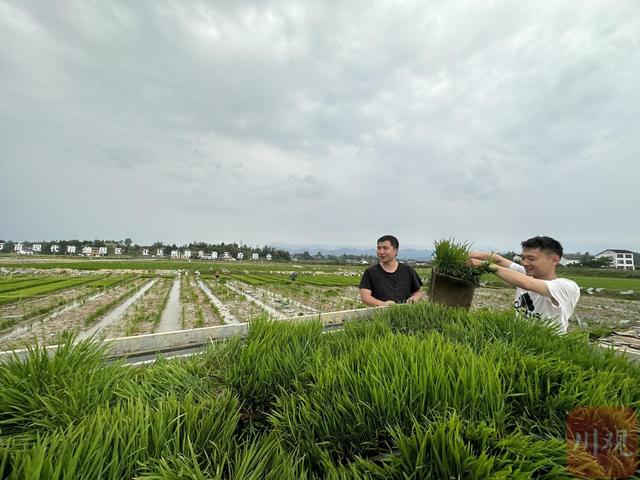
[{"x": 389, "y": 281}]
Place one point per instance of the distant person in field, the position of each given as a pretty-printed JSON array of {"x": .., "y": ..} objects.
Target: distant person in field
[
  {"x": 539, "y": 293},
  {"x": 389, "y": 281}
]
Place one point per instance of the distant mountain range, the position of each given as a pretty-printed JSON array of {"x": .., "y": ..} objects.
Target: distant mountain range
[{"x": 403, "y": 254}]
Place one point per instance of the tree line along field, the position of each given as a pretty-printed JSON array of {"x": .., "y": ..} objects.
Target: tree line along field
[{"x": 39, "y": 303}]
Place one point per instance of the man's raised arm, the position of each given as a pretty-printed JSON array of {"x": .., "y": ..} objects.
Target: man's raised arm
[
  {"x": 513, "y": 277},
  {"x": 491, "y": 257}
]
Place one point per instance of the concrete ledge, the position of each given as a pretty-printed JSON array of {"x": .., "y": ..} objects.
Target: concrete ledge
[{"x": 152, "y": 343}]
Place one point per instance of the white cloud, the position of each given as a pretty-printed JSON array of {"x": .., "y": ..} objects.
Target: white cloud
[{"x": 322, "y": 122}]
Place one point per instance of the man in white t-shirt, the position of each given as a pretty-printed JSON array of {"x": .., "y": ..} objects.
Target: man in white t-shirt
[{"x": 539, "y": 293}]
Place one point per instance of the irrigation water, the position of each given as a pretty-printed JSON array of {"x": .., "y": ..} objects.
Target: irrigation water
[
  {"x": 116, "y": 313},
  {"x": 170, "y": 320}
]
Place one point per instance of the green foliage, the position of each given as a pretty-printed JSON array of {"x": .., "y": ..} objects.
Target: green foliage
[
  {"x": 347, "y": 410},
  {"x": 602, "y": 262},
  {"x": 276, "y": 356},
  {"x": 450, "y": 447},
  {"x": 42, "y": 288},
  {"x": 418, "y": 391},
  {"x": 259, "y": 459},
  {"x": 119, "y": 441},
  {"x": 22, "y": 284},
  {"x": 450, "y": 257},
  {"x": 51, "y": 390}
]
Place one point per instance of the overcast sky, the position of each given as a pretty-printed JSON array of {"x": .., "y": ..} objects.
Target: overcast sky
[{"x": 325, "y": 122}]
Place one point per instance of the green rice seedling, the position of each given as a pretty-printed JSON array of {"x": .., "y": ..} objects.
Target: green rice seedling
[
  {"x": 199, "y": 317},
  {"x": 43, "y": 289},
  {"x": 454, "y": 448},
  {"x": 214, "y": 361},
  {"x": 133, "y": 323},
  {"x": 265, "y": 459},
  {"x": 5, "y": 458},
  {"x": 450, "y": 447},
  {"x": 220, "y": 290},
  {"x": 329, "y": 280},
  {"x": 257, "y": 280},
  {"x": 371, "y": 328},
  {"x": 418, "y": 391},
  {"x": 338, "y": 345},
  {"x": 262, "y": 458},
  {"x": 21, "y": 285},
  {"x": 543, "y": 390},
  {"x": 450, "y": 257},
  {"x": 145, "y": 313},
  {"x": 14, "y": 278},
  {"x": 189, "y": 466},
  {"x": 423, "y": 317},
  {"x": 102, "y": 284},
  {"x": 274, "y": 357},
  {"x": 485, "y": 327},
  {"x": 158, "y": 314},
  {"x": 178, "y": 377},
  {"x": 577, "y": 370},
  {"x": 46, "y": 391},
  {"x": 351, "y": 400},
  {"x": 214, "y": 309},
  {"x": 119, "y": 441},
  {"x": 539, "y": 338}
]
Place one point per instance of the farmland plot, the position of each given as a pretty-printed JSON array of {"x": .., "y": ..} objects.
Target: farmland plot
[
  {"x": 144, "y": 314},
  {"x": 26, "y": 290},
  {"x": 31, "y": 300},
  {"x": 279, "y": 305},
  {"x": 38, "y": 306},
  {"x": 197, "y": 310},
  {"x": 238, "y": 306},
  {"x": 318, "y": 298},
  {"x": 76, "y": 316}
]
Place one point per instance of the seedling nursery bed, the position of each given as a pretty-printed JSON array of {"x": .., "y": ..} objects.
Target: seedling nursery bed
[{"x": 420, "y": 391}]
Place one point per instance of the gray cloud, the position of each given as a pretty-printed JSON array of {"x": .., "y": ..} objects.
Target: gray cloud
[{"x": 321, "y": 122}]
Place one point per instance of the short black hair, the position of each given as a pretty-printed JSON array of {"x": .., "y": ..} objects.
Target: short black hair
[
  {"x": 394, "y": 241},
  {"x": 547, "y": 244}
]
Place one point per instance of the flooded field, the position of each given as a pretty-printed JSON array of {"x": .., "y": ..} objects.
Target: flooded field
[{"x": 38, "y": 305}]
